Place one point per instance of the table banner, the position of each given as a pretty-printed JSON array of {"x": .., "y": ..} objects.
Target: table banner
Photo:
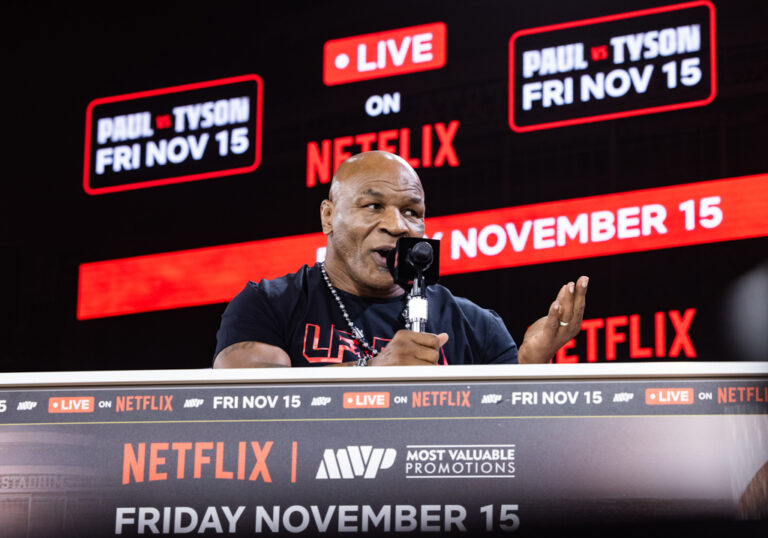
[{"x": 463, "y": 458}]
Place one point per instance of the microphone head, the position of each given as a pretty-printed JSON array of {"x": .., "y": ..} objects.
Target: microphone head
[
  {"x": 420, "y": 256},
  {"x": 411, "y": 255}
]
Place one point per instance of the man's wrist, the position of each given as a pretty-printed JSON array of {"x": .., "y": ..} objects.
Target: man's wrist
[{"x": 526, "y": 356}]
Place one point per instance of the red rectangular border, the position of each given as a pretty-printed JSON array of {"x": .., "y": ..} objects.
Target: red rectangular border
[
  {"x": 612, "y": 115},
  {"x": 163, "y": 91},
  {"x": 440, "y": 31},
  {"x": 215, "y": 274}
]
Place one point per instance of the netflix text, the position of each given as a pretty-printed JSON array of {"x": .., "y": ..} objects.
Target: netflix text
[
  {"x": 429, "y": 146},
  {"x": 146, "y": 402},
  {"x": 616, "y": 335},
  {"x": 441, "y": 398},
  {"x": 220, "y": 460},
  {"x": 742, "y": 394}
]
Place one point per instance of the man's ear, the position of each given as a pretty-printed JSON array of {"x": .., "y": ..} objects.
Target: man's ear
[{"x": 326, "y": 216}]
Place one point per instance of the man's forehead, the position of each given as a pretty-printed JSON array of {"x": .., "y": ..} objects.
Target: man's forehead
[
  {"x": 374, "y": 174},
  {"x": 383, "y": 184},
  {"x": 414, "y": 194}
]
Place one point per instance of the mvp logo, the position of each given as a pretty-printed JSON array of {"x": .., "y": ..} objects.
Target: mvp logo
[
  {"x": 354, "y": 461},
  {"x": 384, "y": 54}
]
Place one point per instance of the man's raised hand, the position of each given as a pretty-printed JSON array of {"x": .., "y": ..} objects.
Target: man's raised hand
[{"x": 563, "y": 321}]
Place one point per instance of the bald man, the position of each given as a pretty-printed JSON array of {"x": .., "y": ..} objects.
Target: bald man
[{"x": 348, "y": 311}]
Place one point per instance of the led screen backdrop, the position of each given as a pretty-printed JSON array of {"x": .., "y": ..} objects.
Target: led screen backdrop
[{"x": 163, "y": 157}]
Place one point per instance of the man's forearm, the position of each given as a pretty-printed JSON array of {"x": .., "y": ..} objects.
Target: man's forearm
[
  {"x": 251, "y": 355},
  {"x": 237, "y": 360}
]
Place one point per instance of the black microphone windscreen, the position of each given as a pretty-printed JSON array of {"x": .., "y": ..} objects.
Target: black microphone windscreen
[
  {"x": 421, "y": 255},
  {"x": 410, "y": 253}
]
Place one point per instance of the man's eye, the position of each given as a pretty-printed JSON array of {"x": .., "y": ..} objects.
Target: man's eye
[
  {"x": 411, "y": 213},
  {"x": 373, "y": 205}
]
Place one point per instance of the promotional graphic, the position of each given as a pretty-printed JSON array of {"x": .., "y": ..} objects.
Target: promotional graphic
[
  {"x": 642, "y": 62},
  {"x": 165, "y": 160},
  {"x": 168, "y": 160},
  {"x": 196, "y": 131}
]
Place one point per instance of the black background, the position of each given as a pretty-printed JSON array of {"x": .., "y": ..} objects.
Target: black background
[{"x": 60, "y": 57}]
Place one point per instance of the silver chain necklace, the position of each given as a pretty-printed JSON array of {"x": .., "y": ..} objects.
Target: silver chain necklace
[{"x": 368, "y": 351}]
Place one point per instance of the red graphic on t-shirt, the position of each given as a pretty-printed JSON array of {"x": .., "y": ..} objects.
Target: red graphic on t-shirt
[{"x": 341, "y": 345}]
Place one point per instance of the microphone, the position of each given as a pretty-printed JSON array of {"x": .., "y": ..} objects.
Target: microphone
[
  {"x": 420, "y": 256},
  {"x": 419, "y": 269}
]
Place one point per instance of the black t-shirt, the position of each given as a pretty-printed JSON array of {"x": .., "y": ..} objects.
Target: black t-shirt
[{"x": 298, "y": 314}]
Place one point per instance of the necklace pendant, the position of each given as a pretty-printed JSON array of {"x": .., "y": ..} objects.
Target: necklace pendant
[{"x": 358, "y": 334}]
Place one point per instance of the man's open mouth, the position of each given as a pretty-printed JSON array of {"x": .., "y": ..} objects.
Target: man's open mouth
[{"x": 380, "y": 255}]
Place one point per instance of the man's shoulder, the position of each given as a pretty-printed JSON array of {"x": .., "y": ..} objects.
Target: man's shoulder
[
  {"x": 286, "y": 284},
  {"x": 448, "y": 305},
  {"x": 274, "y": 296},
  {"x": 444, "y": 296},
  {"x": 480, "y": 333}
]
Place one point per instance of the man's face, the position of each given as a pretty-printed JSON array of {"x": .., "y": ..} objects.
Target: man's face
[{"x": 377, "y": 200}]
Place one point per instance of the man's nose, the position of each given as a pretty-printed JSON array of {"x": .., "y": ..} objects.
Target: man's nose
[{"x": 393, "y": 222}]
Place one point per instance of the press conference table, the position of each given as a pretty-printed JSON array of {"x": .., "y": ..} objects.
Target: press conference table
[{"x": 528, "y": 449}]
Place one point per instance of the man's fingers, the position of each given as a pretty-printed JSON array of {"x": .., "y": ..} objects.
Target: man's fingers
[
  {"x": 565, "y": 303},
  {"x": 565, "y": 297},
  {"x": 572, "y": 299},
  {"x": 580, "y": 299},
  {"x": 408, "y": 347},
  {"x": 427, "y": 356},
  {"x": 553, "y": 319},
  {"x": 428, "y": 349},
  {"x": 429, "y": 340},
  {"x": 442, "y": 339}
]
